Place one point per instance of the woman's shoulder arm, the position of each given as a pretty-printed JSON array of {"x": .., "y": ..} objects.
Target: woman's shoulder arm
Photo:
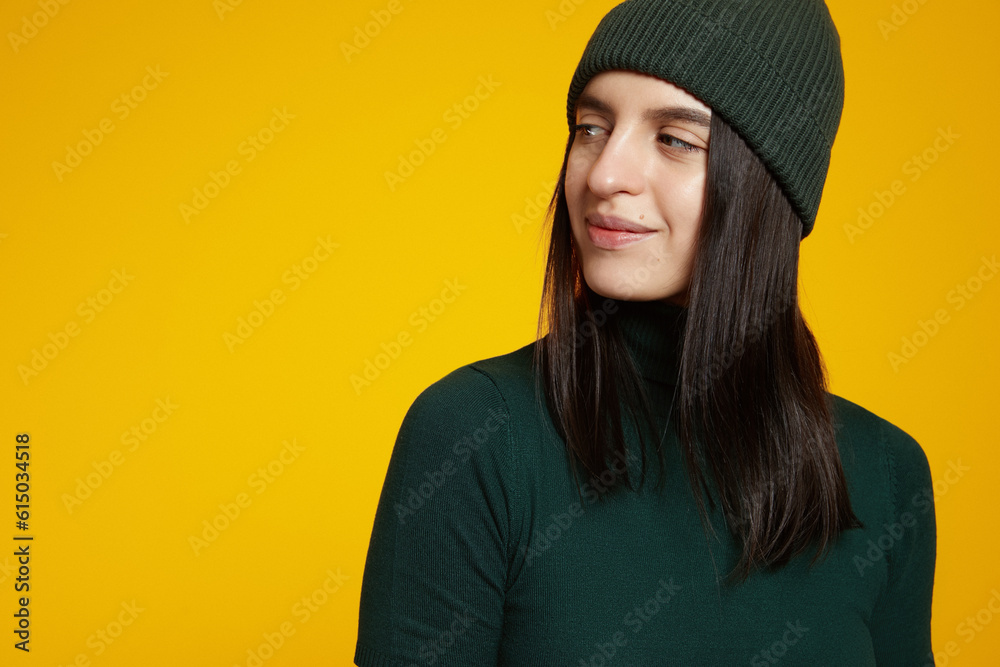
[
  {"x": 901, "y": 621},
  {"x": 907, "y": 534},
  {"x": 436, "y": 571}
]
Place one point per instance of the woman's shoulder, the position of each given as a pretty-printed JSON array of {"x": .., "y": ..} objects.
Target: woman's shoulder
[
  {"x": 473, "y": 392},
  {"x": 500, "y": 377},
  {"x": 860, "y": 425},
  {"x": 874, "y": 449},
  {"x": 511, "y": 367}
]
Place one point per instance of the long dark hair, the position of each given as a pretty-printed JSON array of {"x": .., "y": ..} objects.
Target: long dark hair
[{"x": 752, "y": 386}]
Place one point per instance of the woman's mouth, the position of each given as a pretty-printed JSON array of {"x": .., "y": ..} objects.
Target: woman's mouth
[{"x": 612, "y": 233}]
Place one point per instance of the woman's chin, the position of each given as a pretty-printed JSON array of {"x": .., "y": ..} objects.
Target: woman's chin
[{"x": 630, "y": 285}]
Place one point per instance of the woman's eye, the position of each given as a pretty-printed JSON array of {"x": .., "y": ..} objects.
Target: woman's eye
[
  {"x": 677, "y": 143},
  {"x": 587, "y": 130}
]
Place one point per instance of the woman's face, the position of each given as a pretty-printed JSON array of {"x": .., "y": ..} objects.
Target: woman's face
[{"x": 637, "y": 163}]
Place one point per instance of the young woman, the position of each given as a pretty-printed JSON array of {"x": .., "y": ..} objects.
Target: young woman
[{"x": 663, "y": 478}]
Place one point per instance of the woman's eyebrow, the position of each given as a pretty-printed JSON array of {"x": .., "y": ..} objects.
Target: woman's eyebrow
[
  {"x": 665, "y": 114},
  {"x": 588, "y": 101},
  {"x": 686, "y": 114}
]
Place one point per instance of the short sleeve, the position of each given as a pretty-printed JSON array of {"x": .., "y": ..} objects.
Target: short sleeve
[
  {"x": 901, "y": 621},
  {"x": 435, "y": 577}
]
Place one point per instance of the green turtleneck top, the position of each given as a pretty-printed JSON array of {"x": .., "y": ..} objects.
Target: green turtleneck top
[{"x": 483, "y": 552}]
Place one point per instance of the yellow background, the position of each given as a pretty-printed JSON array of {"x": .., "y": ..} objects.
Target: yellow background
[{"x": 162, "y": 336}]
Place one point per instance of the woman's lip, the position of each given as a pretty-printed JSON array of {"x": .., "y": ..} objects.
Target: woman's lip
[
  {"x": 611, "y": 239},
  {"x": 615, "y": 223}
]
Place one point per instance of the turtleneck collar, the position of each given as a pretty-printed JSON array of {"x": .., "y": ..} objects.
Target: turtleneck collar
[{"x": 653, "y": 332}]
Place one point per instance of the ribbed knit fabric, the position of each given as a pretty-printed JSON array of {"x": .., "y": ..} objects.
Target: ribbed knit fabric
[
  {"x": 482, "y": 553},
  {"x": 771, "y": 68}
]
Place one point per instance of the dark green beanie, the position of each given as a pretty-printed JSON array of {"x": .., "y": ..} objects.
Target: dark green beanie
[{"x": 770, "y": 68}]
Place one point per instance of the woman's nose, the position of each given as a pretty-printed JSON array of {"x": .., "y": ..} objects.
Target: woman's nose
[{"x": 619, "y": 166}]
